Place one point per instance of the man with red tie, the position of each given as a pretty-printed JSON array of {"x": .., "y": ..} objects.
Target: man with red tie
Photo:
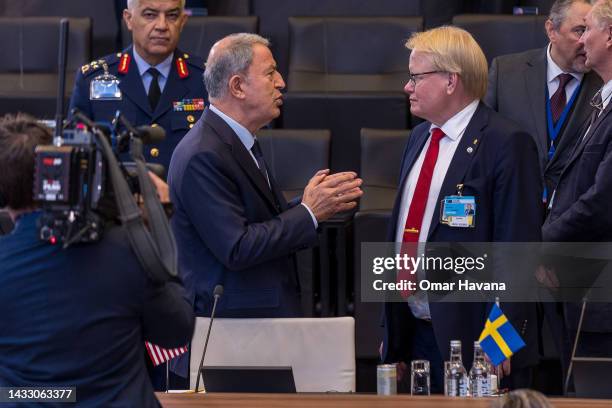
[{"x": 464, "y": 149}]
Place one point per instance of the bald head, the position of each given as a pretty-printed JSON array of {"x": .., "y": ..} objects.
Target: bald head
[{"x": 229, "y": 56}]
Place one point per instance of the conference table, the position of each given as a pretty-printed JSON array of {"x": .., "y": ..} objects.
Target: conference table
[{"x": 315, "y": 400}]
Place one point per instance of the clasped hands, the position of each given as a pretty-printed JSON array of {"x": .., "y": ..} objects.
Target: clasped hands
[{"x": 327, "y": 194}]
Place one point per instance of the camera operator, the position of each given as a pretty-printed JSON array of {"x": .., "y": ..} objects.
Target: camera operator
[{"x": 76, "y": 317}]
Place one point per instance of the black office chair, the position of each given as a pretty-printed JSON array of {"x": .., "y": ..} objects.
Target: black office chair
[
  {"x": 346, "y": 73},
  {"x": 381, "y": 155},
  {"x": 500, "y": 34},
  {"x": 28, "y": 62},
  {"x": 293, "y": 157}
]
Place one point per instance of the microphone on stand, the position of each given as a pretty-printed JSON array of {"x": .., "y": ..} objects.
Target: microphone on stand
[{"x": 217, "y": 293}]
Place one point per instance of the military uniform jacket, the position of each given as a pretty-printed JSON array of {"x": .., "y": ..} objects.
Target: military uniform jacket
[{"x": 180, "y": 105}]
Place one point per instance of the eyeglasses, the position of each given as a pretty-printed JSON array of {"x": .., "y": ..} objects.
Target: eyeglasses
[{"x": 413, "y": 79}]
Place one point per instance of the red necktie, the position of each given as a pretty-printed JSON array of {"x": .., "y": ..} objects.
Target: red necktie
[
  {"x": 418, "y": 204},
  {"x": 558, "y": 100}
]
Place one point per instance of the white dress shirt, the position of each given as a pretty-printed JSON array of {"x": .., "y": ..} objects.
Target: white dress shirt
[
  {"x": 454, "y": 128},
  {"x": 606, "y": 94}
]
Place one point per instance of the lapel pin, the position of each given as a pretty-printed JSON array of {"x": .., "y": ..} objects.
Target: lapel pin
[
  {"x": 475, "y": 142},
  {"x": 470, "y": 150}
]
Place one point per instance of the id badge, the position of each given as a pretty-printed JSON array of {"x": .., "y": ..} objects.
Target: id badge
[
  {"x": 104, "y": 87},
  {"x": 458, "y": 211}
]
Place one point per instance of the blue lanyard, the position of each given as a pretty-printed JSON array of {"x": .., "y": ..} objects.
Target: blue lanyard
[{"x": 553, "y": 130}]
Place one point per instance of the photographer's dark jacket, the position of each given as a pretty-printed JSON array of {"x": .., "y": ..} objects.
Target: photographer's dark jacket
[
  {"x": 79, "y": 317},
  {"x": 180, "y": 105}
]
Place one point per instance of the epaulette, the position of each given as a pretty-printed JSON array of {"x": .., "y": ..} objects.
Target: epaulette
[
  {"x": 193, "y": 60},
  {"x": 97, "y": 65}
]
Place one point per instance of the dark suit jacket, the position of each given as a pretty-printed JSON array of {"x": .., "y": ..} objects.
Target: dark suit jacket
[
  {"x": 517, "y": 90},
  {"x": 499, "y": 173},
  {"x": 229, "y": 228},
  {"x": 135, "y": 103},
  {"x": 581, "y": 206},
  {"x": 79, "y": 317}
]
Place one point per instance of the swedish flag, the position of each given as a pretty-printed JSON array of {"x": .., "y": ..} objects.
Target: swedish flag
[{"x": 499, "y": 339}]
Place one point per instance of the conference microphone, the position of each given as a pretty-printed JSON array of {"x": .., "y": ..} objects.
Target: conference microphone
[{"x": 217, "y": 293}]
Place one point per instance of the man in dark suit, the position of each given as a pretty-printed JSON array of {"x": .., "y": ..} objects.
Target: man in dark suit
[
  {"x": 76, "y": 317},
  {"x": 231, "y": 222},
  {"x": 547, "y": 91},
  {"x": 463, "y": 148},
  {"x": 580, "y": 206},
  {"x": 160, "y": 85},
  {"x": 525, "y": 86}
]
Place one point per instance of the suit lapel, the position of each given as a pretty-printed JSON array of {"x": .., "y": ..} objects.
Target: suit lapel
[
  {"x": 585, "y": 140},
  {"x": 174, "y": 90},
  {"x": 413, "y": 154},
  {"x": 579, "y": 116},
  {"x": 242, "y": 156},
  {"x": 132, "y": 88},
  {"x": 535, "y": 82},
  {"x": 415, "y": 145},
  {"x": 462, "y": 159}
]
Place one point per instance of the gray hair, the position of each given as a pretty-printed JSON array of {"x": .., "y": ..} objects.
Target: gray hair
[
  {"x": 234, "y": 58},
  {"x": 558, "y": 11},
  {"x": 132, "y": 4}
]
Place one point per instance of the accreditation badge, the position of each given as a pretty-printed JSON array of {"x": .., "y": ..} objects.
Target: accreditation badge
[
  {"x": 105, "y": 87},
  {"x": 458, "y": 211}
]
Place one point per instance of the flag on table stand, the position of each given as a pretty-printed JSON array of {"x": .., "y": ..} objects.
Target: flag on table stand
[
  {"x": 499, "y": 340},
  {"x": 160, "y": 355}
]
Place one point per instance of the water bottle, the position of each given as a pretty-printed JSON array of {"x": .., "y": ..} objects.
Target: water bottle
[
  {"x": 480, "y": 379},
  {"x": 455, "y": 375}
]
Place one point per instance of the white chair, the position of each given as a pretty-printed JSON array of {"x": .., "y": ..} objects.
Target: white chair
[{"x": 320, "y": 351}]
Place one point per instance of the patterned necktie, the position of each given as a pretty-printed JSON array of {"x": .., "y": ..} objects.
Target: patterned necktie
[
  {"x": 414, "y": 220},
  {"x": 154, "y": 91},
  {"x": 558, "y": 100}
]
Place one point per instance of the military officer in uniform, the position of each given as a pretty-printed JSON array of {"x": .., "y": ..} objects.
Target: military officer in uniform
[{"x": 159, "y": 85}]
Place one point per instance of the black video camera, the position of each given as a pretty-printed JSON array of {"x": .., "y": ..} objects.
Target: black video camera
[{"x": 71, "y": 182}]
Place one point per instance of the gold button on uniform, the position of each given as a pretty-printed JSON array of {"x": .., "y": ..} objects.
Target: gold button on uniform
[
  {"x": 154, "y": 152},
  {"x": 190, "y": 125},
  {"x": 190, "y": 118},
  {"x": 154, "y": 125}
]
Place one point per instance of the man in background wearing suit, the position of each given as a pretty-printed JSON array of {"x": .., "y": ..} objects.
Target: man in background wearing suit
[
  {"x": 547, "y": 91},
  {"x": 232, "y": 225},
  {"x": 580, "y": 205},
  {"x": 463, "y": 143},
  {"x": 160, "y": 85}
]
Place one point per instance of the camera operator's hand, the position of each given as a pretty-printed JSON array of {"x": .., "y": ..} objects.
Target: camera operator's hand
[
  {"x": 163, "y": 192},
  {"x": 327, "y": 194}
]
